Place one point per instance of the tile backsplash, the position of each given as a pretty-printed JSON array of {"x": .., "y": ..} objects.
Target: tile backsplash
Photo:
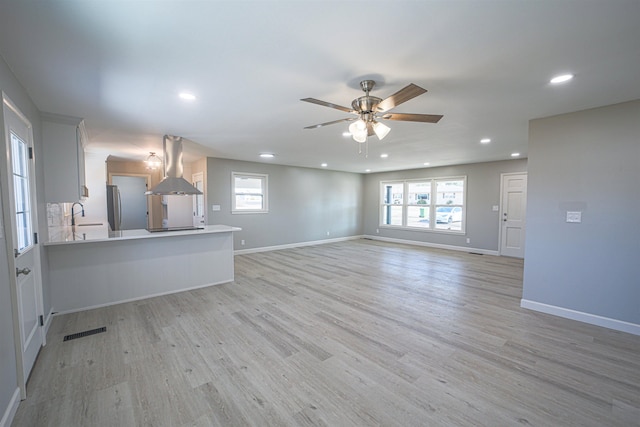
[{"x": 58, "y": 214}]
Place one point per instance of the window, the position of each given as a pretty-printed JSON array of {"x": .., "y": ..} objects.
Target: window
[
  {"x": 426, "y": 204},
  {"x": 249, "y": 192},
  {"x": 20, "y": 154}
]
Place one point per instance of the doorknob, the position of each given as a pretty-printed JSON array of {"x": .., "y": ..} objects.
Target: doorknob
[{"x": 24, "y": 271}]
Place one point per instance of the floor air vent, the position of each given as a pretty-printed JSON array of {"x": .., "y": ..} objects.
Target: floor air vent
[{"x": 85, "y": 333}]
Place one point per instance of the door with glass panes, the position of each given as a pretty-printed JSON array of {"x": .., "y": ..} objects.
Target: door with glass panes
[{"x": 26, "y": 283}]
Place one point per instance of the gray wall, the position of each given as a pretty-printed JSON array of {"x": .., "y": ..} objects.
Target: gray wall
[
  {"x": 586, "y": 161},
  {"x": 8, "y": 378},
  {"x": 304, "y": 204},
  {"x": 483, "y": 192}
]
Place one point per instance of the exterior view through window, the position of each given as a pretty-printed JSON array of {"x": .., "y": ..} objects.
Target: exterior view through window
[
  {"x": 249, "y": 193},
  {"x": 427, "y": 204},
  {"x": 20, "y": 156}
]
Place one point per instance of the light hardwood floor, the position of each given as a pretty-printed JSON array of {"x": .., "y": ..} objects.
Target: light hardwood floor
[{"x": 358, "y": 333}]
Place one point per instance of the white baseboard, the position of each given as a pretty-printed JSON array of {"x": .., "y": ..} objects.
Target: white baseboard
[
  {"x": 593, "y": 319},
  {"x": 383, "y": 239},
  {"x": 433, "y": 245},
  {"x": 11, "y": 410},
  {"x": 294, "y": 245}
]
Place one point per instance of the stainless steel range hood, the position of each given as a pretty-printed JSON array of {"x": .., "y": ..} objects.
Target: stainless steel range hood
[{"x": 173, "y": 182}]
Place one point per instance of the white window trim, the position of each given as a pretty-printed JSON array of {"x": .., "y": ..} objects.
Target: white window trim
[
  {"x": 432, "y": 205},
  {"x": 265, "y": 192}
]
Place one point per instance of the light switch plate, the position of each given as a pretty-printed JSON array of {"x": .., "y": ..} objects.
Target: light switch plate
[
  {"x": 215, "y": 207},
  {"x": 574, "y": 216},
  {"x": 495, "y": 208}
]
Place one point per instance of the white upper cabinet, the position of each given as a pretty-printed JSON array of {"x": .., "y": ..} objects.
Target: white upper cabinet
[{"x": 64, "y": 138}]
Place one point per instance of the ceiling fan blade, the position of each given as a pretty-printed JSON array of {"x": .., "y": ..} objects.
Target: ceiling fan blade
[
  {"x": 424, "y": 118},
  {"x": 331, "y": 123},
  {"x": 328, "y": 104},
  {"x": 403, "y": 95}
]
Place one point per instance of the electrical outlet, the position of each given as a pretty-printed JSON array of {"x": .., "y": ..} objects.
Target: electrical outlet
[
  {"x": 215, "y": 208},
  {"x": 242, "y": 242},
  {"x": 377, "y": 231},
  {"x": 574, "y": 216},
  {"x": 328, "y": 233},
  {"x": 468, "y": 240}
]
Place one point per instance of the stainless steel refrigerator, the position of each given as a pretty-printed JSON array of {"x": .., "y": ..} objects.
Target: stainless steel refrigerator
[{"x": 114, "y": 207}]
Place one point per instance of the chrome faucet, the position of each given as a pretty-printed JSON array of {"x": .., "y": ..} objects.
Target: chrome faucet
[{"x": 73, "y": 218}]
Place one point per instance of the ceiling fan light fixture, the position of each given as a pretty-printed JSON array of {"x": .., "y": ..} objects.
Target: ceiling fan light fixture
[
  {"x": 358, "y": 130},
  {"x": 381, "y": 130},
  {"x": 153, "y": 162},
  {"x": 357, "y": 126},
  {"x": 360, "y": 136}
]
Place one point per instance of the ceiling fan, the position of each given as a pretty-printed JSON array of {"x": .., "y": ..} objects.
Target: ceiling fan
[{"x": 369, "y": 110}]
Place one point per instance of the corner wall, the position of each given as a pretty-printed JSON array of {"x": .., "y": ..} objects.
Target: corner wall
[
  {"x": 483, "y": 192},
  {"x": 587, "y": 162},
  {"x": 304, "y": 204}
]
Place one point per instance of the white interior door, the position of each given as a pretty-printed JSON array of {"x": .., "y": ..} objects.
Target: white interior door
[
  {"x": 513, "y": 216},
  {"x": 198, "y": 200},
  {"x": 27, "y": 280},
  {"x": 133, "y": 201}
]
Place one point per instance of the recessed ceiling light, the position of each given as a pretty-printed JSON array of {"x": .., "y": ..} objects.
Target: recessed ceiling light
[
  {"x": 367, "y": 170},
  {"x": 515, "y": 154},
  {"x": 426, "y": 163},
  {"x": 485, "y": 140},
  {"x": 324, "y": 165},
  {"x": 187, "y": 96},
  {"x": 384, "y": 156},
  {"x": 267, "y": 155},
  {"x": 346, "y": 133},
  {"x": 561, "y": 78}
]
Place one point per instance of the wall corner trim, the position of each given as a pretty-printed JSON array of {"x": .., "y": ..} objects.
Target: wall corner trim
[
  {"x": 47, "y": 322},
  {"x": 11, "y": 409},
  {"x": 593, "y": 319}
]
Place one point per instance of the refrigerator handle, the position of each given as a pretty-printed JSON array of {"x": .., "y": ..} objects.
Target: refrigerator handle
[{"x": 119, "y": 210}]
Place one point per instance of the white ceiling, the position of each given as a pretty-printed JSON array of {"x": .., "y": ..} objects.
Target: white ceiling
[{"x": 486, "y": 64}]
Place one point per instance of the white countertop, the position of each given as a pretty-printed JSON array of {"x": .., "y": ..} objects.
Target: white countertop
[{"x": 100, "y": 233}]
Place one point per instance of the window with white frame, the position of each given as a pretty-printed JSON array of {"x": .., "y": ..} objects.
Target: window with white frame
[
  {"x": 424, "y": 204},
  {"x": 249, "y": 192}
]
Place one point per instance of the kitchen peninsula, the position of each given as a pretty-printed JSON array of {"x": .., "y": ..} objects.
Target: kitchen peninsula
[{"x": 90, "y": 266}]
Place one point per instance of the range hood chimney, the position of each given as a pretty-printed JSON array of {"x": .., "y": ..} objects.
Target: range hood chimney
[{"x": 173, "y": 182}]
